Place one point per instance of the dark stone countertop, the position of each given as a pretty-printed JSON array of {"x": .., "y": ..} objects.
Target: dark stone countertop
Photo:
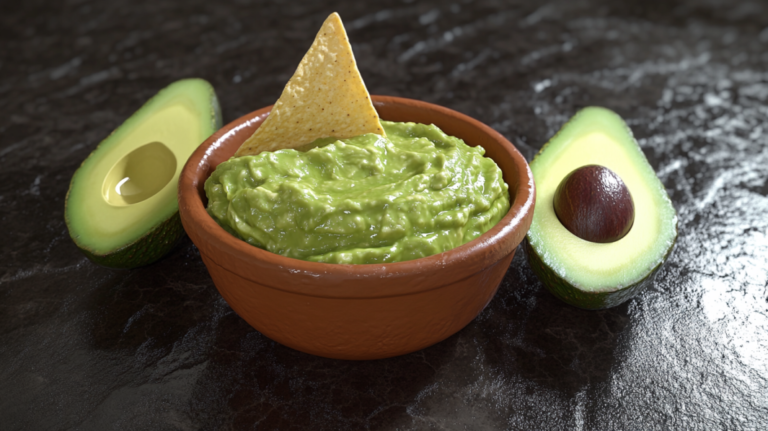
[{"x": 156, "y": 348}]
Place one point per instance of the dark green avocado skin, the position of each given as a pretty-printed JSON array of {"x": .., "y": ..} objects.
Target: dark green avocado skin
[
  {"x": 574, "y": 295},
  {"x": 159, "y": 240},
  {"x": 147, "y": 249},
  {"x": 583, "y": 299}
]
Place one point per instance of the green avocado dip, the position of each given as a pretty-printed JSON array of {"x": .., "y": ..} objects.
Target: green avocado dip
[{"x": 367, "y": 199}]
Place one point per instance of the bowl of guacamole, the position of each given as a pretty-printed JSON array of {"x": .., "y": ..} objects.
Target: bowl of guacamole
[{"x": 360, "y": 248}]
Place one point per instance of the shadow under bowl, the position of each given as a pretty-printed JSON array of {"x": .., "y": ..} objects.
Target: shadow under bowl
[{"x": 367, "y": 311}]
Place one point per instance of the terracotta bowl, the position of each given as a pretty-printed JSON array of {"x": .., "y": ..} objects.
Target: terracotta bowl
[{"x": 359, "y": 311}]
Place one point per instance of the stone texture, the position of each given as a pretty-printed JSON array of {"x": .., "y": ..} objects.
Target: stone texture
[{"x": 85, "y": 347}]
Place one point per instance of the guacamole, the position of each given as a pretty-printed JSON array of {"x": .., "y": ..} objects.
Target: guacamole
[{"x": 367, "y": 199}]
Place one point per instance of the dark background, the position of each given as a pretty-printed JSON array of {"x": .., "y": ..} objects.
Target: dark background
[{"x": 84, "y": 347}]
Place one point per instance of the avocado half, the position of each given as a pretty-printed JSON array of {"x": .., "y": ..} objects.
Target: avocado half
[
  {"x": 587, "y": 274},
  {"x": 121, "y": 208}
]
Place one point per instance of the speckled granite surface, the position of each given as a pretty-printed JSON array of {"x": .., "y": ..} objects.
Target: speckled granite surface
[{"x": 84, "y": 347}]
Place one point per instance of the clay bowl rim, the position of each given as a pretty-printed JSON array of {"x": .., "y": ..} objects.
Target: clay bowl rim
[{"x": 378, "y": 280}]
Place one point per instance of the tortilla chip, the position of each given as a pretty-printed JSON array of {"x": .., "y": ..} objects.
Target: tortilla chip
[{"x": 326, "y": 97}]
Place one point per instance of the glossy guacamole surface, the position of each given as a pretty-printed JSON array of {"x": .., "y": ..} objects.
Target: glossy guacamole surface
[{"x": 367, "y": 199}]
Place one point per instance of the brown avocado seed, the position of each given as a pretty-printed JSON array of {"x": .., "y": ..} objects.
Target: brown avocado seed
[{"x": 593, "y": 203}]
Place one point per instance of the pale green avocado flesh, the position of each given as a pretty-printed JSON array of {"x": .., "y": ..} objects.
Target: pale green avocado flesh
[
  {"x": 121, "y": 208},
  {"x": 367, "y": 199},
  {"x": 587, "y": 274}
]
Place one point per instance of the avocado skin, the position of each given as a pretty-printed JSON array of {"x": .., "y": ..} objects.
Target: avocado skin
[
  {"x": 572, "y": 295},
  {"x": 148, "y": 249},
  {"x": 158, "y": 240}
]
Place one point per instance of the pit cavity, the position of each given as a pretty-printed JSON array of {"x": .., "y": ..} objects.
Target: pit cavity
[{"x": 139, "y": 175}]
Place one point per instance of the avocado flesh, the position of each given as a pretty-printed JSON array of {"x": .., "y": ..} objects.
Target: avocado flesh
[
  {"x": 122, "y": 209},
  {"x": 587, "y": 274}
]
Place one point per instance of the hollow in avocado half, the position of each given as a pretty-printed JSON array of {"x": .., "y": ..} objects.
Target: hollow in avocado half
[
  {"x": 589, "y": 274},
  {"x": 121, "y": 208}
]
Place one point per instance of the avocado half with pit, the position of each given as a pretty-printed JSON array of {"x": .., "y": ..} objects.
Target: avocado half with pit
[
  {"x": 121, "y": 208},
  {"x": 588, "y": 274}
]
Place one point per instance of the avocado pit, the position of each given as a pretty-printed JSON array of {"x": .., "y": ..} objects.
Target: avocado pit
[{"x": 593, "y": 203}]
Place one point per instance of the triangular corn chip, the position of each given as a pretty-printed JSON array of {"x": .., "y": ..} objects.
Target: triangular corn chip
[{"x": 326, "y": 97}]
